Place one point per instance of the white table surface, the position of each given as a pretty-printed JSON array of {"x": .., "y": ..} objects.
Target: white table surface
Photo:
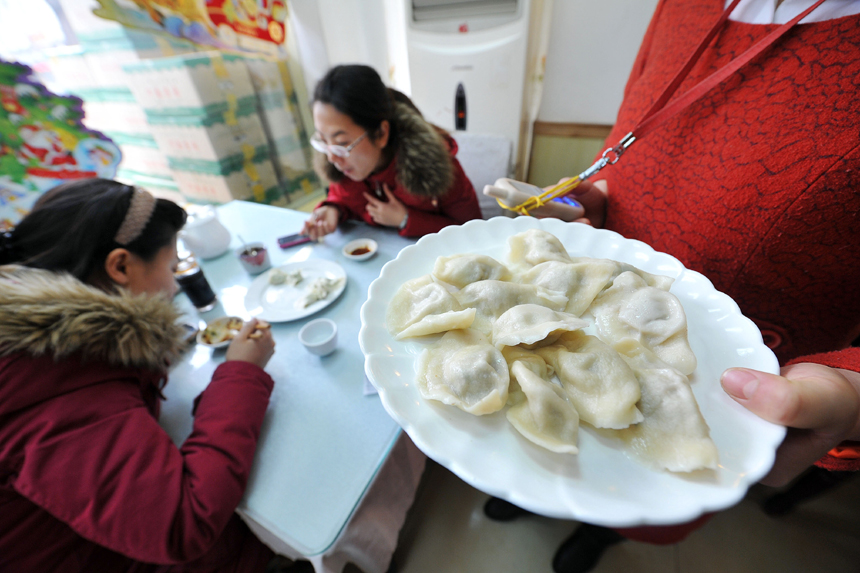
[{"x": 322, "y": 440}]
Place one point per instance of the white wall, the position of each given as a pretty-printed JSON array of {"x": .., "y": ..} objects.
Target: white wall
[
  {"x": 591, "y": 50},
  {"x": 331, "y": 32}
]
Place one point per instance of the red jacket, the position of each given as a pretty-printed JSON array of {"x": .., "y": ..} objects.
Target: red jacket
[
  {"x": 757, "y": 184},
  {"x": 88, "y": 479},
  {"x": 424, "y": 175}
]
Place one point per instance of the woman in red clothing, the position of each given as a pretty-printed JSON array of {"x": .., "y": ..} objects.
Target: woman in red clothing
[
  {"x": 757, "y": 186},
  {"x": 387, "y": 166},
  {"x": 88, "y": 479}
]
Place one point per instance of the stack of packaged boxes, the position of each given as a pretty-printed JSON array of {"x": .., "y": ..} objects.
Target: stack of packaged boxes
[
  {"x": 221, "y": 142},
  {"x": 202, "y": 112},
  {"x": 279, "y": 111},
  {"x": 93, "y": 71}
]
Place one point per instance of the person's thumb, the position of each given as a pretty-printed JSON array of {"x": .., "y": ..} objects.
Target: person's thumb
[{"x": 807, "y": 396}]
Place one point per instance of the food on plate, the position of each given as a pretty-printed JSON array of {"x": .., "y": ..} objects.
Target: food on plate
[
  {"x": 580, "y": 282},
  {"x": 546, "y": 416},
  {"x": 359, "y": 251},
  {"x": 436, "y": 323},
  {"x": 464, "y": 370},
  {"x": 461, "y": 270},
  {"x": 600, "y": 384},
  {"x": 535, "y": 246},
  {"x": 289, "y": 278},
  {"x": 319, "y": 289},
  {"x": 513, "y": 338},
  {"x": 491, "y": 298},
  {"x": 630, "y": 308},
  {"x": 225, "y": 328},
  {"x": 673, "y": 434},
  {"x": 416, "y": 299},
  {"x": 529, "y": 324}
]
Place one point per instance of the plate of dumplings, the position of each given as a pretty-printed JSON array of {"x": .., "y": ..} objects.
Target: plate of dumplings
[{"x": 568, "y": 370}]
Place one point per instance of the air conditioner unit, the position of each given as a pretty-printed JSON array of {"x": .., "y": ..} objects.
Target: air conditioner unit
[{"x": 467, "y": 62}]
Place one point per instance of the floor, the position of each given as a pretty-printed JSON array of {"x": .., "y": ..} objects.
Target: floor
[{"x": 446, "y": 531}]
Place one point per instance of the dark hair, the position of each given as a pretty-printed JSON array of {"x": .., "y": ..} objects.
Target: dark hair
[
  {"x": 72, "y": 228},
  {"x": 357, "y": 91}
]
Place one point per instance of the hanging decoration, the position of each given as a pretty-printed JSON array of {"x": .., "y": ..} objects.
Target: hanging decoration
[
  {"x": 243, "y": 25},
  {"x": 43, "y": 143}
]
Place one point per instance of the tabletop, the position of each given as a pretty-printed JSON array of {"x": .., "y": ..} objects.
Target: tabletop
[{"x": 323, "y": 440}]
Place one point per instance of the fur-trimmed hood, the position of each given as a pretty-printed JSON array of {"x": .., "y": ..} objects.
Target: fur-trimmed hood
[
  {"x": 422, "y": 156},
  {"x": 47, "y": 313}
]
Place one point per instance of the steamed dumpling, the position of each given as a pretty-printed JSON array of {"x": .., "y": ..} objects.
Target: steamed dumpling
[
  {"x": 416, "y": 299},
  {"x": 546, "y": 417},
  {"x": 530, "y": 360},
  {"x": 528, "y": 324},
  {"x": 535, "y": 246},
  {"x": 601, "y": 386},
  {"x": 436, "y": 323},
  {"x": 674, "y": 435},
  {"x": 632, "y": 309},
  {"x": 461, "y": 270},
  {"x": 492, "y": 298},
  {"x": 464, "y": 370},
  {"x": 580, "y": 281}
]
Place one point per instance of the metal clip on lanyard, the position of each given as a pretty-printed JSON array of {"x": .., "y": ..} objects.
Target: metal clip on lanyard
[{"x": 660, "y": 111}]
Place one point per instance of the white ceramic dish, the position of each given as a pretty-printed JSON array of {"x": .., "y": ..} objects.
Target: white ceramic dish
[
  {"x": 203, "y": 337},
  {"x": 600, "y": 485},
  {"x": 319, "y": 336},
  {"x": 351, "y": 246},
  {"x": 283, "y": 303}
]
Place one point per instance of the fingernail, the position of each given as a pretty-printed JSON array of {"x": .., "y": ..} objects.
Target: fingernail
[{"x": 739, "y": 383}]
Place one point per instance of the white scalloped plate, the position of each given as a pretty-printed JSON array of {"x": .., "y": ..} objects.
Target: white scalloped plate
[{"x": 600, "y": 485}]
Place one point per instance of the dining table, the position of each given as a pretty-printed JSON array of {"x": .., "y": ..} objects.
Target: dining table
[{"x": 325, "y": 436}]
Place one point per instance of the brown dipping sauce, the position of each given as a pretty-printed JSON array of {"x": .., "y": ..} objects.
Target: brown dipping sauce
[{"x": 360, "y": 251}]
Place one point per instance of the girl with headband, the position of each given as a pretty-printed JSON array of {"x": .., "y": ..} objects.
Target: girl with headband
[{"x": 88, "y": 479}]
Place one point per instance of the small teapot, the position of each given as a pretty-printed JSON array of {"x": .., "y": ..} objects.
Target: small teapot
[{"x": 204, "y": 234}]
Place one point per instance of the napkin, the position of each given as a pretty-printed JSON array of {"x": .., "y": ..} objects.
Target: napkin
[{"x": 369, "y": 388}]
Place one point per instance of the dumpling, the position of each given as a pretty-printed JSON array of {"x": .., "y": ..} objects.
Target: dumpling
[
  {"x": 436, "y": 323},
  {"x": 416, "y": 299},
  {"x": 530, "y": 360},
  {"x": 632, "y": 309},
  {"x": 461, "y": 270},
  {"x": 535, "y": 246},
  {"x": 580, "y": 281},
  {"x": 464, "y": 370},
  {"x": 492, "y": 298},
  {"x": 546, "y": 417},
  {"x": 529, "y": 324},
  {"x": 601, "y": 386},
  {"x": 674, "y": 435}
]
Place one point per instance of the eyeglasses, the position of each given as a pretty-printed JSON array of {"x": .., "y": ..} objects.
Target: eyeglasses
[{"x": 335, "y": 150}]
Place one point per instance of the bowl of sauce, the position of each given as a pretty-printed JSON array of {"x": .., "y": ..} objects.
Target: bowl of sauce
[{"x": 360, "y": 249}]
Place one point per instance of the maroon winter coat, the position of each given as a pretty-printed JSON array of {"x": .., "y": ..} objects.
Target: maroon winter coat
[{"x": 88, "y": 479}]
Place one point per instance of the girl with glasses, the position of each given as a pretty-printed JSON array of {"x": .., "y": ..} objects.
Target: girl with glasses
[{"x": 386, "y": 165}]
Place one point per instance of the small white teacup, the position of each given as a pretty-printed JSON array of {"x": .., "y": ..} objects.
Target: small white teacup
[{"x": 319, "y": 336}]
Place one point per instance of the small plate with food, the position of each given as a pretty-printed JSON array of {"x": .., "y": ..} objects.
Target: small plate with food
[
  {"x": 295, "y": 290},
  {"x": 221, "y": 331},
  {"x": 360, "y": 249}
]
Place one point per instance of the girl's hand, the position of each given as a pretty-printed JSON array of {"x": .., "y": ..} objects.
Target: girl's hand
[
  {"x": 389, "y": 214},
  {"x": 820, "y": 406},
  {"x": 257, "y": 350},
  {"x": 322, "y": 222}
]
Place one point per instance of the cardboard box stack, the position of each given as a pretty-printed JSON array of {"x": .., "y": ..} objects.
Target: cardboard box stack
[
  {"x": 93, "y": 71},
  {"x": 206, "y": 114},
  {"x": 202, "y": 112}
]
